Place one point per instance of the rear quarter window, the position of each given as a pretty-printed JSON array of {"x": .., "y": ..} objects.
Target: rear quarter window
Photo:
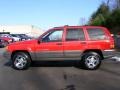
[{"x": 96, "y": 34}]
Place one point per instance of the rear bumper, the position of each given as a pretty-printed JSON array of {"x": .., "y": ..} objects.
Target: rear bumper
[{"x": 109, "y": 53}]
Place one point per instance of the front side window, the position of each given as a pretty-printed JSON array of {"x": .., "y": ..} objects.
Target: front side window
[
  {"x": 75, "y": 35},
  {"x": 54, "y": 36},
  {"x": 96, "y": 34}
]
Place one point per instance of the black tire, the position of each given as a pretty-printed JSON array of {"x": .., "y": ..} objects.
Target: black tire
[
  {"x": 21, "y": 61},
  {"x": 91, "y": 60}
]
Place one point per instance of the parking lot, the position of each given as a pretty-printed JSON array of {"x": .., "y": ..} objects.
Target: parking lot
[{"x": 59, "y": 76}]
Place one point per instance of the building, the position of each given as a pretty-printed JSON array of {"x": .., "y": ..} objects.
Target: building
[{"x": 22, "y": 29}]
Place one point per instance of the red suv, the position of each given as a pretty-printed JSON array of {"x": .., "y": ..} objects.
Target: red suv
[{"x": 89, "y": 44}]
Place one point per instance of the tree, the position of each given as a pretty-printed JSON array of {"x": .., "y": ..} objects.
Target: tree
[{"x": 99, "y": 17}]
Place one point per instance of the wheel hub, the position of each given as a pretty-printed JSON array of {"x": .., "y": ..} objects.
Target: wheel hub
[
  {"x": 20, "y": 62},
  {"x": 92, "y": 61}
]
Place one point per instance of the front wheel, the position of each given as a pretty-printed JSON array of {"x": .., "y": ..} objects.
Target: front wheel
[
  {"x": 91, "y": 60},
  {"x": 21, "y": 61}
]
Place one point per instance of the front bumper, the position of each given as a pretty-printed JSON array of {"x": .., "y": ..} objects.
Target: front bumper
[{"x": 7, "y": 55}]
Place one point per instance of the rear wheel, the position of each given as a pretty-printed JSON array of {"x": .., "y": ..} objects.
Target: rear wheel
[
  {"x": 91, "y": 60},
  {"x": 21, "y": 61}
]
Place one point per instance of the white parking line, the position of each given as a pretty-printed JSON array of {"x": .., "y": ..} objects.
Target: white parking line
[{"x": 116, "y": 58}]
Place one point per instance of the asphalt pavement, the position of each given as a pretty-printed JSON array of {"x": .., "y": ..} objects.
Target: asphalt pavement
[{"x": 59, "y": 76}]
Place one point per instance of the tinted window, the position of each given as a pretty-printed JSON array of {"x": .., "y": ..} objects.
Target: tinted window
[
  {"x": 53, "y": 36},
  {"x": 96, "y": 34},
  {"x": 75, "y": 34}
]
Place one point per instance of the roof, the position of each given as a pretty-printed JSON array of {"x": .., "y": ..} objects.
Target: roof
[{"x": 78, "y": 27}]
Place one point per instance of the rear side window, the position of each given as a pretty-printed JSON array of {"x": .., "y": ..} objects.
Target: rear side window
[
  {"x": 75, "y": 35},
  {"x": 96, "y": 34}
]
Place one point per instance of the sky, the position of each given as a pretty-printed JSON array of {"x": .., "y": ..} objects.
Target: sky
[{"x": 46, "y": 13}]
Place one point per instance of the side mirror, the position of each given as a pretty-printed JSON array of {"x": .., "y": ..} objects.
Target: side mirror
[{"x": 39, "y": 41}]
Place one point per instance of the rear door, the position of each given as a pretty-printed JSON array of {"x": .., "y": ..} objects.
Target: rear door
[{"x": 75, "y": 42}]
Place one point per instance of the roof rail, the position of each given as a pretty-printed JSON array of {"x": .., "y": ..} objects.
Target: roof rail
[
  {"x": 66, "y": 25},
  {"x": 61, "y": 26}
]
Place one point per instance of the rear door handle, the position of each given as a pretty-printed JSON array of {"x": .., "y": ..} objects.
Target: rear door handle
[
  {"x": 59, "y": 44},
  {"x": 83, "y": 42}
]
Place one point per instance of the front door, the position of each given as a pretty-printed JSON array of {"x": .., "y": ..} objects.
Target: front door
[{"x": 51, "y": 46}]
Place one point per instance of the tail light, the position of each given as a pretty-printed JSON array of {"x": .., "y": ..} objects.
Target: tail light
[{"x": 112, "y": 46}]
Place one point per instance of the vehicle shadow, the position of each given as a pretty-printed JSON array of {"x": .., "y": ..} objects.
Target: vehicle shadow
[
  {"x": 66, "y": 63},
  {"x": 8, "y": 63}
]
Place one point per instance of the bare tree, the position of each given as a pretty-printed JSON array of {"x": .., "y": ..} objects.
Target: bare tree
[
  {"x": 113, "y": 4},
  {"x": 108, "y": 2},
  {"x": 118, "y": 3}
]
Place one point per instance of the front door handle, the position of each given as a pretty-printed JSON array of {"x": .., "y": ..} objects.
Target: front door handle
[{"x": 59, "y": 44}]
